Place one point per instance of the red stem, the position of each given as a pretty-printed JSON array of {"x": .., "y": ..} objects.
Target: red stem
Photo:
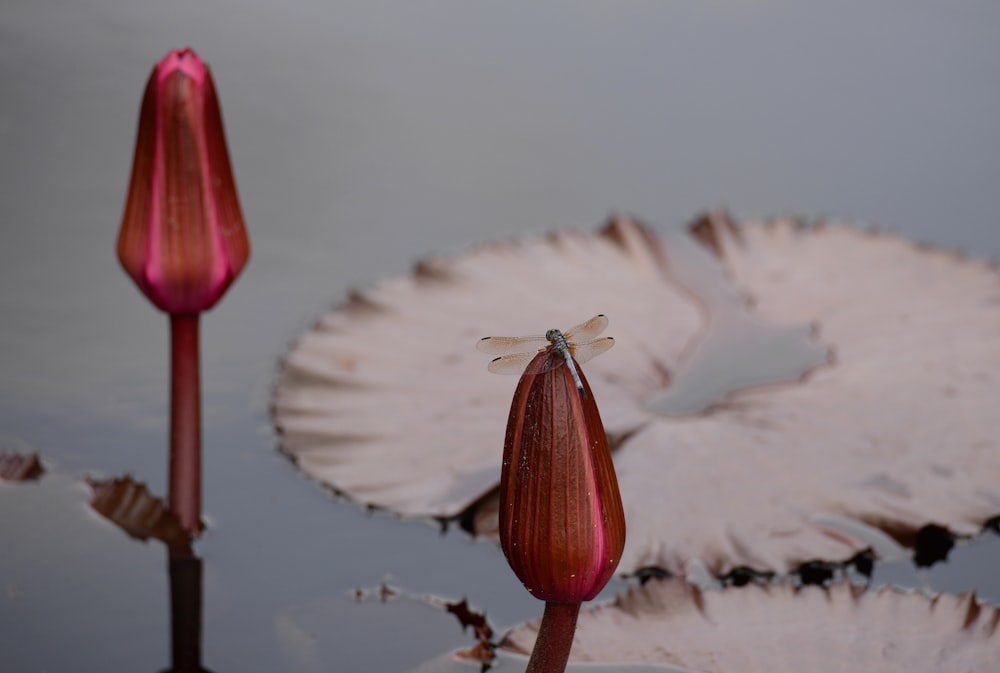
[
  {"x": 555, "y": 638},
  {"x": 185, "y": 421}
]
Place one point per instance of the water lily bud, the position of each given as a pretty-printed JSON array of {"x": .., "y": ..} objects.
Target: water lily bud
[
  {"x": 562, "y": 526},
  {"x": 182, "y": 238}
]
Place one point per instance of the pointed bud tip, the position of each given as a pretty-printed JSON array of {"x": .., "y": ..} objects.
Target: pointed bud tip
[{"x": 185, "y": 61}]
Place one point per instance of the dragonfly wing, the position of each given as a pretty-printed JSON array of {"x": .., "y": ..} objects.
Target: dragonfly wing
[
  {"x": 507, "y": 345},
  {"x": 587, "y": 331},
  {"x": 588, "y": 351},
  {"x": 511, "y": 364}
]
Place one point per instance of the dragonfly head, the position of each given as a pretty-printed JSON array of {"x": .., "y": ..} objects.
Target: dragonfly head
[{"x": 551, "y": 334}]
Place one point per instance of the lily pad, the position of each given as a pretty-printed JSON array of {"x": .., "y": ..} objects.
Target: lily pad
[
  {"x": 779, "y": 627},
  {"x": 768, "y": 378}
]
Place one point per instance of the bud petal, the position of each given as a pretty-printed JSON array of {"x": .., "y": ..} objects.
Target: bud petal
[
  {"x": 182, "y": 238},
  {"x": 562, "y": 525}
]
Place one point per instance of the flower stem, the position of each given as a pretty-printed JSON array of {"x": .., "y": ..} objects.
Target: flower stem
[
  {"x": 555, "y": 638},
  {"x": 185, "y": 421}
]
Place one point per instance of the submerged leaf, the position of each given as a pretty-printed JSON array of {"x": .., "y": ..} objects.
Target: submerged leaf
[
  {"x": 778, "y": 627},
  {"x": 387, "y": 400}
]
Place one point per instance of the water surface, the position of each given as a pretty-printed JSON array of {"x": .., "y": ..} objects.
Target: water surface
[{"x": 365, "y": 134}]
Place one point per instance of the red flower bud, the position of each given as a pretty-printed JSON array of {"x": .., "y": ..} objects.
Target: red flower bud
[
  {"x": 562, "y": 526},
  {"x": 182, "y": 238}
]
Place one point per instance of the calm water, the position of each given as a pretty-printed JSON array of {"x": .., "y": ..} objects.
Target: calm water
[{"x": 364, "y": 135}]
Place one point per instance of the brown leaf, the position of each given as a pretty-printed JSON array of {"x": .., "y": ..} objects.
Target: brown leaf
[
  {"x": 483, "y": 650},
  {"x": 778, "y": 627},
  {"x": 17, "y": 467},
  {"x": 129, "y": 505},
  {"x": 468, "y": 617}
]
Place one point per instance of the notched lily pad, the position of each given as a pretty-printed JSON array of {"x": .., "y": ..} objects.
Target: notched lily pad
[
  {"x": 18, "y": 467},
  {"x": 769, "y": 378},
  {"x": 129, "y": 505},
  {"x": 778, "y": 627}
]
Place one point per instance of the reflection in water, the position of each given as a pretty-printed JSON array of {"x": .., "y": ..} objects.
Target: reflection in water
[
  {"x": 129, "y": 505},
  {"x": 185, "y": 613}
]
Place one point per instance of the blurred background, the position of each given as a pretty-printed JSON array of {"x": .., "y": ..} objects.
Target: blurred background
[{"x": 365, "y": 135}]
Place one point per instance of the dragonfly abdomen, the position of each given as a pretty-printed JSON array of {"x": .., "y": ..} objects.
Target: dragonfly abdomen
[{"x": 560, "y": 344}]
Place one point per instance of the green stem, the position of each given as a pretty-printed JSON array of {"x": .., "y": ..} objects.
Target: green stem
[
  {"x": 555, "y": 638},
  {"x": 185, "y": 421}
]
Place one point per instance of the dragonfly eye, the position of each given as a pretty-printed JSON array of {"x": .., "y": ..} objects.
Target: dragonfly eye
[{"x": 551, "y": 334}]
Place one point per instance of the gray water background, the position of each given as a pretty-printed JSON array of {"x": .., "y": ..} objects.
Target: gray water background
[{"x": 364, "y": 135}]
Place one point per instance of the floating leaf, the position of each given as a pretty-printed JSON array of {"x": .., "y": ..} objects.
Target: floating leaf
[
  {"x": 458, "y": 662},
  {"x": 129, "y": 505},
  {"x": 387, "y": 400},
  {"x": 17, "y": 467},
  {"x": 778, "y": 627}
]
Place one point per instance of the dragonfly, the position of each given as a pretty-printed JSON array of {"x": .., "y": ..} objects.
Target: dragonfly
[{"x": 579, "y": 342}]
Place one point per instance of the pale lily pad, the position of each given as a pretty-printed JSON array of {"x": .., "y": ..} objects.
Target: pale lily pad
[
  {"x": 778, "y": 627},
  {"x": 387, "y": 401}
]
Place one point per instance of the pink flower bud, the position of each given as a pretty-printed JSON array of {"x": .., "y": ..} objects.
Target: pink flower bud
[
  {"x": 182, "y": 238},
  {"x": 562, "y": 526}
]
